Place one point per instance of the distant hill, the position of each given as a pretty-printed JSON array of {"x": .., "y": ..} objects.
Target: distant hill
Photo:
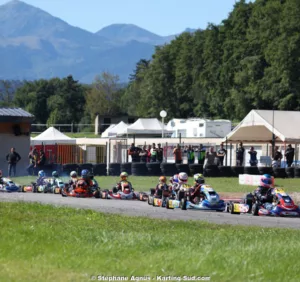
[{"x": 35, "y": 44}]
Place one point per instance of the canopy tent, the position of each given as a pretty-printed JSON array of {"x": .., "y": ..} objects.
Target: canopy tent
[
  {"x": 146, "y": 126},
  {"x": 113, "y": 130},
  {"x": 259, "y": 125},
  {"x": 52, "y": 136}
]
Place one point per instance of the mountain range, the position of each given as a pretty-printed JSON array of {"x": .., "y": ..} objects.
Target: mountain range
[{"x": 35, "y": 44}]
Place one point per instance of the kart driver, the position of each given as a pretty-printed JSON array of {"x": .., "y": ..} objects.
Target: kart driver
[
  {"x": 195, "y": 191},
  {"x": 74, "y": 179},
  {"x": 41, "y": 178},
  {"x": 86, "y": 176},
  {"x": 162, "y": 188},
  {"x": 119, "y": 187},
  {"x": 262, "y": 190}
]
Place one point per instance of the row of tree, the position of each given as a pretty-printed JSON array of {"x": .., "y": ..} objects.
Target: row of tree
[{"x": 251, "y": 60}]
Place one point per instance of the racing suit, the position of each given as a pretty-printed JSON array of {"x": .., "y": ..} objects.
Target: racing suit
[
  {"x": 195, "y": 191},
  {"x": 40, "y": 181},
  {"x": 119, "y": 185},
  {"x": 164, "y": 188},
  {"x": 261, "y": 193}
]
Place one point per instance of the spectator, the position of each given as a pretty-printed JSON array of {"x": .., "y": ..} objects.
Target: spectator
[
  {"x": 134, "y": 153},
  {"x": 289, "y": 154},
  {"x": 240, "y": 155},
  {"x": 42, "y": 160},
  {"x": 201, "y": 154},
  {"x": 149, "y": 153},
  {"x": 177, "y": 154},
  {"x": 253, "y": 157},
  {"x": 210, "y": 157},
  {"x": 12, "y": 158},
  {"x": 277, "y": 157},
  {"x": 153, "y": 153},
  {"x": 190, "y": 154},
  {"x": 160, "y": 153},
  {"x": 221, "y": 154},
  {"x": 144, "y": 154},
  {"x": 33, "y": 157}
]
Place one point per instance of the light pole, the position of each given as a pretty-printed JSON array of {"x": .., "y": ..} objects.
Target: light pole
[{"x": 163, "y": 114}]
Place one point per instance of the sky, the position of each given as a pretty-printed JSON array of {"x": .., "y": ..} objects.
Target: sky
[{"x": 163, "y": 17}]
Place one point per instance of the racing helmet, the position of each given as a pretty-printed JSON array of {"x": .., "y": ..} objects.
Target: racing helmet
[
  {"x": 73, "y": 174},
  {"x": 84, "y": 173},
  {"x": 162, "y": 179},
  {"x": 175, "y": 178},
  {"x": 266, "y": 181},
  {"x": 55, "y": 173},
  {"x": 124, "y": 175},
  {"x": 199, "y": 178},
  {"x": 183, "y": 177},
  {"x": 41, "y": 173}
]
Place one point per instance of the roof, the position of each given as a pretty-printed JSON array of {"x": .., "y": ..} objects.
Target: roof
[
  {"x": 52, "y": 136},
  {"x": 145, "y": 126},
  {"x": 113, "y": 130},
  {"x": 14, "y": 112},
  {"x": 7, "y": 113},
  {"x": 257, "y": 126}
]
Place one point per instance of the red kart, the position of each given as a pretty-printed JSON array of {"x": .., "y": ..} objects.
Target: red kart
[
  {"x": 126, "y": 193},
  {"x": 81, "y": 190}
]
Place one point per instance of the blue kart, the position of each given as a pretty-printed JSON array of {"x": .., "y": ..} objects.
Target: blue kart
[
  {"x": 208, "y": 200},
  {"x": 9, "y": 186}
]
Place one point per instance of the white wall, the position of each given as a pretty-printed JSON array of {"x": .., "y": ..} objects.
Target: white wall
[{"x": 22, "y": 145}]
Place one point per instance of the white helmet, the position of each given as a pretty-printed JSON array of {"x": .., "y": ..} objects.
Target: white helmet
[
  {"x": 183, "y": 177},
  {"x": 73, "y": 174}
]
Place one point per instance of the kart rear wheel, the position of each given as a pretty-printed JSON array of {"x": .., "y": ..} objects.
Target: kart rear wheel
[
  {"x": 97, "y": 194},
  {"x": 255, "y": 209},
  {"x": 167, "y": 204},
  {"x": 183, "y": 204},
  {"x": 149, "y": 203}
]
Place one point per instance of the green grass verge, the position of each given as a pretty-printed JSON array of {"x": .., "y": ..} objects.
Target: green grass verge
[
  {"x": 144, "y": 183},
  {"x": 46, "y": 243}
]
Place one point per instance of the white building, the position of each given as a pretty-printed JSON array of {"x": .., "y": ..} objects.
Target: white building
[{"x": 202, "y": 128}]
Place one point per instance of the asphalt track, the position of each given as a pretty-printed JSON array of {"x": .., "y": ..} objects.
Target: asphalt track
[{"x": 137, "y": 208}]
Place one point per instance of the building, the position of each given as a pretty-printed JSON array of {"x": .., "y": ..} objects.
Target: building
[
  {"x": 15, "y": 127},
  {"x": 202, "y": 128}
]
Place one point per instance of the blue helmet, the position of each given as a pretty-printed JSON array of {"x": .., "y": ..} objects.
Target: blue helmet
[
  {"x": 84, "y": 173},
  {"x": 175, "y": 178},
  {"x": 41, "y": 173},
  {"x": 266, "y": 180}
]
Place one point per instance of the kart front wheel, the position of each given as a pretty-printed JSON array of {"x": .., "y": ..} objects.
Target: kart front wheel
[
  {"x": 183, "y": 204},
  {"x": 255, "y": 209}
]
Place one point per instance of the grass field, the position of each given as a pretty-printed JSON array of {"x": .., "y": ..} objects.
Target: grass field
[
  {"x": 46, "y": 243},
  {"x": 141, "y": 183}
]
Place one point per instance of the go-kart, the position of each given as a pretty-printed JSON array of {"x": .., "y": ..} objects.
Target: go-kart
[
  {"x": 208, "y": 200},
  {"x": 160, "y": 200},
  {"x": 50, "y": 185},
  {"x": 126, "y": 193},
  {"x": 9, "y": 186},
  {"x": 81, "y": 190},
  {"x": 278, "y": 203}
]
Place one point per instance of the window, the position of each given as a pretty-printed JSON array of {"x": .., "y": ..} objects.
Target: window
[{"x": 201, "y": 124}]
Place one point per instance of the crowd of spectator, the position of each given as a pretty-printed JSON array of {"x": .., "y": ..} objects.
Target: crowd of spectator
[{"x": 205, "y": 155}]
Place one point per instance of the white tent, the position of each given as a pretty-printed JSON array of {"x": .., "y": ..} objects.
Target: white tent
[
  {"x": 113, "y": 130},
  {"x": 259, "y": 125},
  {"x": 52, "y": 136},
  {"x": 146, "y": 126}
]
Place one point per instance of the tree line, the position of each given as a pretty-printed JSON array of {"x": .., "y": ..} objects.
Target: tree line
[{"x": 249, "y": 61}]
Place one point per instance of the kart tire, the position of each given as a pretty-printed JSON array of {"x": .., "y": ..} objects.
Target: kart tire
[
  {"x": 183, "y": 168},
  {"x": 252, "y": 170},
  {"x": 231, "y": 209},
  {"x": 181, "y": 195},
  {"x": 255, "y": 209},
  {"x": 34, "y": 188},
  {"x": 97, "y": 194},
  {"x": 183, "y": 204},
  {"x": 249, "y": 201},
  {"x": 237, "y": 170},
  {"x": 126, "y": 167},
  {"x": 167, "y": 204},
  {"x": 100, "y": 169},
  {"x": 196, "y": 168},
  {"x": 290, "y": 172},
  {"x": 149, "y": 198}
]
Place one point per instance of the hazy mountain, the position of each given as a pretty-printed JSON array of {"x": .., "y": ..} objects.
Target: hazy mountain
[{"x": 35, "y": 44}]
